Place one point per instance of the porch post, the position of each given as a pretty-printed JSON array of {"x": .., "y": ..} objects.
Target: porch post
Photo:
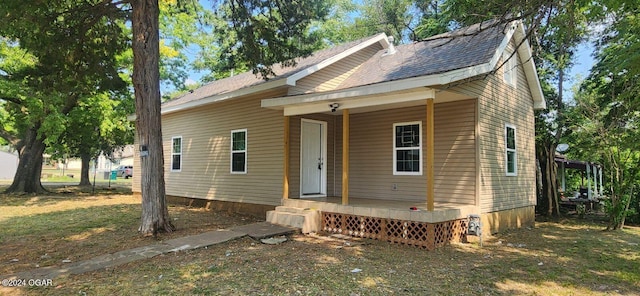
[
  {"x": 588, "y": 181},
  {"x": 595, "y": 181},
  {"x": 563, "y": 178},
  {"x": 430, "y": 154},
  {"x": 601, "y": 186},
  {"x": 345, "y": 156},
  {"x": 285, "y": 171}
]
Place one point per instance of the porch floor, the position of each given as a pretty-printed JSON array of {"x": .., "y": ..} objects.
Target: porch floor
[{"x": 392, "y": 209}]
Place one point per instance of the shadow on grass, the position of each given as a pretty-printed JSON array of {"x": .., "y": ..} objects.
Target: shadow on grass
[
  {"x": 573, "y": 256},
  {"x": 48, "y": 238},
  {"x": 577, "y": 259},
  {"x": 60, "y": 193},
  {"x": 44, "y": 232}
]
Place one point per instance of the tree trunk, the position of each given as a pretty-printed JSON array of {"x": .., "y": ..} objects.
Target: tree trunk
[
  {"x": 146, "y": 83},
  {"x": 549, "y": 204},
  {"x": 84, "y": 170},
  {"x": 626, "y": 208},
  {"x": 549, "y": 183},
  {"x": 27, "y": 178},
  {"x": 543, "y": 202},
  {"x": 553, "y": 182}
]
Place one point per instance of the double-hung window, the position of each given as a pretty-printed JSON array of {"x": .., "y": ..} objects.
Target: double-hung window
[
  {"x": 176, "y": 154},
  {"x": 407, "y": 148},
  {"x": 511, "y": 155},
  {"x": 239, "y": 151}
]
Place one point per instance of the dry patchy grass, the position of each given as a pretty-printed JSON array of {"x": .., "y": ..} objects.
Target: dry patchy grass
[
  {"x": 68, "y": 224},
  {"x": 568, "y": 257}
]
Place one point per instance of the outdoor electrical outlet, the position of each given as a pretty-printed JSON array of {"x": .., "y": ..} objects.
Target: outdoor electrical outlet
[{"x": 394, "y": 186}]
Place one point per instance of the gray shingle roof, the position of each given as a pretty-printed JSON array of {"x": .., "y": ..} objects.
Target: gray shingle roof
[
  {"x": 249, "y": 79},
  {"x": 459, "y": 49},
  {"x": 442, "y": 53}
]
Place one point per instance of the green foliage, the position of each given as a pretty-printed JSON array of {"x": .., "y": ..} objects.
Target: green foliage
[
  {"x": 183, "y": 27},
  {"x": 53, "y": 55},
  {"x": 607, "y": 113},
  {"x": 259, "y": 34},
  {"x": 337, "y": 28},
  {"x": 390, "y": 17}
]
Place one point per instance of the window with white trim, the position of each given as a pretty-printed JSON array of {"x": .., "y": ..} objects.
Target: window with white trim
[
  {"x": 511, "y": 154},
  {"x": 176, "y": 154},
  {"x": 510, "y": 67},
  {"x": 407, "y": 148},
  {"x": 239, "y": 151}
]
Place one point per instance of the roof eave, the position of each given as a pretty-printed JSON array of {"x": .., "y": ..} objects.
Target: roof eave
[
  {"x": 524, "y": 51},
  {"x": 225, "y": 96},
  {"x": 289, "y": 81}
]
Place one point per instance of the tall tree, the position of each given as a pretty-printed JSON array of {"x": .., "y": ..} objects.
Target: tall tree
[
  {"x": 555, "y": 28},
  {"x": 268, "y": 32},
  {"x": 146, "y": 84},
  {"x": 72, "y": 45},
  {"x": 98, "y": 125},
  {"x": 389, "y": 16},
  {"x": 608, "y": 110}
]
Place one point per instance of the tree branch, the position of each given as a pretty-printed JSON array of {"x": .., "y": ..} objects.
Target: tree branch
[
  {"x": 12, "y": 100},
  {"x": 5, "y": 134}
]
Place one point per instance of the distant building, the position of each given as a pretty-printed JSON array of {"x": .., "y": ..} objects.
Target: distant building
[{"x": 8, "y": 165}]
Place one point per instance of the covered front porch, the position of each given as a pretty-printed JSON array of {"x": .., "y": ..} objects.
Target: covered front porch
[
  {"x": 378, "y": 168},
  {"x": 390, "y": 209},
  {"x": 400, "y": 222}
]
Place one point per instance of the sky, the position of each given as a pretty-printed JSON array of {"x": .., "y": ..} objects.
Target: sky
[{"x": 582, "y": 66}]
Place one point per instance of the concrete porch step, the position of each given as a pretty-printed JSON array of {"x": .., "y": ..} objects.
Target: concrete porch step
[
  {"x": 293, "y": 210},
  {"x": 305, "y": 219}
]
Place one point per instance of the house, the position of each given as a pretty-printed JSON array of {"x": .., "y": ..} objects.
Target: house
[
  {"x": 8, "y": 164},
  {"x": 103, "y": 165},
  {"x": 580, "y": 183},
  {"x": 400, "y": 143}
]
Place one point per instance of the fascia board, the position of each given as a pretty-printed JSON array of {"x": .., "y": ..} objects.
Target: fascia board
[
  {"x": 524, "y": 51},
  {"x": 380, "y": 38},
  {"x": 366, "y": 90},
  {"x": 380, "y": 88},
  {"x": 360, "y": 102}
]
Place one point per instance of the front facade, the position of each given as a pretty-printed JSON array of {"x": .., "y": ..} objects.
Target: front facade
[{"x": 369, "y": 131}]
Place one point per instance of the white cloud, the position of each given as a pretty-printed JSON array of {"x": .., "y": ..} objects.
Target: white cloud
[{"x": 190, "y": 81}]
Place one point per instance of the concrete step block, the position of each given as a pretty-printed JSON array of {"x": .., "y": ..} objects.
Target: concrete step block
[
  {"x": 285, "y": 219},
  {"x": 305, "y": 219},
  {"x": 293, "y": 210}
]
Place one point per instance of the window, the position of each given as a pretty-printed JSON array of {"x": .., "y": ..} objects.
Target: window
[
  {"x": 407, "y": 148},
  {"x": 511, "y": 155},
  {"x": 176, "y": 154},
  {"x": 510, "y": 68},
  {"x": 239, "y": 151}
]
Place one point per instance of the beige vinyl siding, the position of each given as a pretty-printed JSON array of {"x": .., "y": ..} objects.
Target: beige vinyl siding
[
  {"x": 455, "y": 152},
  {"x": 330, "y": 77},
  {"x": 371, "y": 154},
  {"x": 500, "y": 104},
  {"x": 206, "y": 133}
]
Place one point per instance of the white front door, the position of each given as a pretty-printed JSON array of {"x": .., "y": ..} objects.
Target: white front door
[{"x": 312, "y": 158}]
